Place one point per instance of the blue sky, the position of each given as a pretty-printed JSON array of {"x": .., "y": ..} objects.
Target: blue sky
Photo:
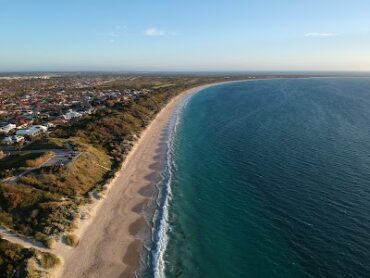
[{"x": 184, "y": 35}]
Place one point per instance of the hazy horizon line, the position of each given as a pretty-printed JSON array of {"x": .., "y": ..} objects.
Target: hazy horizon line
[{"x": 178, "y": 71}]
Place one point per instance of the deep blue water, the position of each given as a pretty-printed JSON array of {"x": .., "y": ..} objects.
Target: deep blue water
[{"x": 271, "y": 178}]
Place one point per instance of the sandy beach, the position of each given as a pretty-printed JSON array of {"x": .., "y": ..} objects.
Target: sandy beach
[{"x": 110, "y": 244}]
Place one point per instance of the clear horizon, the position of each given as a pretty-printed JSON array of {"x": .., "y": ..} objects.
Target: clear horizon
[{"x": 184, "y": 36}]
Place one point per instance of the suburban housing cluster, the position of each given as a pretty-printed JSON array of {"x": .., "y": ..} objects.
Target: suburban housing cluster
[{"x": 32, "y": 112}]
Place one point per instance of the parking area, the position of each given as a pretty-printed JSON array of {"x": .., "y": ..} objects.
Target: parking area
[{"x": 62, "y": 157}]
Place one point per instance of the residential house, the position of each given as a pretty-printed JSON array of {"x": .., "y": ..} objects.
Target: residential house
[
  {"x": 33, "y": 131},
  {"x": 72, "y": 115}
]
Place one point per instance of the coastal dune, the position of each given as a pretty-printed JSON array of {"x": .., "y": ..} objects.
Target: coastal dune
[{"x": 110, "y": 241}]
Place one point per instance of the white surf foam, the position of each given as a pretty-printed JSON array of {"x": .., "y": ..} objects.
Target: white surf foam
[{"x": 161, "y": 222}]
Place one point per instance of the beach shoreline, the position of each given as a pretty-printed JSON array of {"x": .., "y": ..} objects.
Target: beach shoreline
[{"x": 112, "y": 236}]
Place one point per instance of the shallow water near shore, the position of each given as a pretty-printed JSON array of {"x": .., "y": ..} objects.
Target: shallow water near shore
[{"x": 269, "y": 178}]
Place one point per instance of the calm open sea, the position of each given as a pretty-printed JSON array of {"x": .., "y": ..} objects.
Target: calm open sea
[{"x": 268, "y": 178}]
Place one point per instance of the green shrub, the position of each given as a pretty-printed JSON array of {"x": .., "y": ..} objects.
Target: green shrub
[
  {"x": 48, "y": 260},
  {"x": 14, "y": 258},
  {"x": 71, "y": 240}
]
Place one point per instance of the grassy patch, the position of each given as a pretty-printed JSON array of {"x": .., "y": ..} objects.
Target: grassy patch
[
  {"x": 76, "y": 179},
  {"x": 11, "y": 164},
  {"x": 22, "y": 208},
  {"x": 166, "y": 85},
  {"x": 39, "y": 160},
  {"x": 44, "y": 203}
]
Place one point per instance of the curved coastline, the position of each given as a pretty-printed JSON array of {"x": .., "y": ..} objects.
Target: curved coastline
[
  {"x": 112, "y": 239},
  {"x": 114, "y": 245}
]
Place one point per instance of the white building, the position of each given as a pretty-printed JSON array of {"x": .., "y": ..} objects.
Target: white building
[
  {"x": 50, "y": 125},
  {"x": 72, "y": 115},
  {"x": 6, "y": 129},
  {"x": 12, "y": 139},
  {"x": 33, "y": 131}
]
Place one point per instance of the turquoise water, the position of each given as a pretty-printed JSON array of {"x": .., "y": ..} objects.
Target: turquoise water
[{"x": 269, "y": 178}]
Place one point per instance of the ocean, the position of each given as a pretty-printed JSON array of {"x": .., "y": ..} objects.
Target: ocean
[{"x": 267, "y": 178}]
